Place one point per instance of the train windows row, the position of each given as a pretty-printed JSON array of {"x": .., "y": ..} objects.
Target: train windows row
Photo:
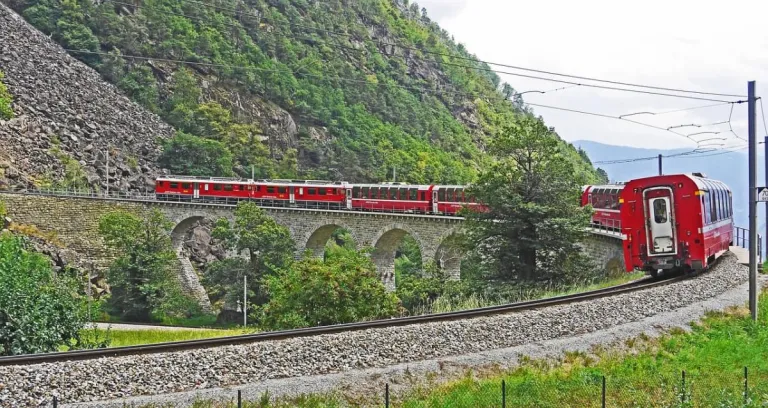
[
  {"x": 718, "y": 202},
  {"x": 388, "y": 193},
  {"x": 607, "y": 198}
]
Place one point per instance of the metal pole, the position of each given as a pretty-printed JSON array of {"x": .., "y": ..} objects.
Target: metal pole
[
  {"x": 751, "y": 116},
  {"x": 660, "y": 173},
  {"x": 765, "y": 183},
  {"x": 106, "y": 157},
  {"x": 245, "y": 301}
]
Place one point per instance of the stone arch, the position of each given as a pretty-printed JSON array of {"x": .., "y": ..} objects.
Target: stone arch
[
  {"x": 319, "y": 235},
  {"x": 188, "y": 278},
  {"x": 448, "y": 254},
  {"x": 385, "y": 243}
]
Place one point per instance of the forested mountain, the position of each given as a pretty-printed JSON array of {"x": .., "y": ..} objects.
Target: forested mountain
[{"x": 332, "y": 89}]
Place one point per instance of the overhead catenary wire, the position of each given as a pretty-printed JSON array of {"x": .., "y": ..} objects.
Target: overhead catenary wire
[{"x": 461, "y": 57}]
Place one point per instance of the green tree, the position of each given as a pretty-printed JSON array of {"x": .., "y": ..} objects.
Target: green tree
[
  {"x": 265, "y": 245},
  {"x": 141, "y": 278},
  {"x": 602, "y": 176},
  {"x": 39, "y": 310},
  {"x": 6, "y": 112},
  {"x": 534, "y": 219},
  {"x": 342, "y": 289},
  {"x": 194, "y": 156}
]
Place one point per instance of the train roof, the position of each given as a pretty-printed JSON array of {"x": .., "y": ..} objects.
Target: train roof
[
  {"x": 700, "y": 179},
  {"x": 392, "y": 185}
]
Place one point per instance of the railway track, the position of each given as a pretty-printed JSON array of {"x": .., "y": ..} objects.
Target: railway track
[{"x": 29, "y": 359}]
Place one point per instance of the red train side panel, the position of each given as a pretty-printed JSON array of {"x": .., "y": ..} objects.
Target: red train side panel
[{"x": 675, "y": 221}]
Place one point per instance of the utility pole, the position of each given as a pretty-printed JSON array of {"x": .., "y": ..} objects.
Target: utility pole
[
  {"x": 660, "y": 173},
  {"x": 751, "y": 116},
  {"x": 106, "y": 157},
  {"x": 394, "y": 174},
  {"x": 765, "y": 158},
  {"x": 245, "y": 300}
]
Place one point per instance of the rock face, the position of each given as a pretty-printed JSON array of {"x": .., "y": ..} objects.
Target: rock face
[{"x": 66, "y": 112}]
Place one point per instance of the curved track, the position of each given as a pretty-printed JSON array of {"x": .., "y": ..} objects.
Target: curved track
[{"x": 27, "y": 359}]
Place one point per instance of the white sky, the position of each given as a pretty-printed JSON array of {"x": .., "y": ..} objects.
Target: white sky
[{"x": 701, "y": 45}]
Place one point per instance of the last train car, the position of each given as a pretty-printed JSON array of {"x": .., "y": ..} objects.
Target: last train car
[{"x": 675, "y": 221}]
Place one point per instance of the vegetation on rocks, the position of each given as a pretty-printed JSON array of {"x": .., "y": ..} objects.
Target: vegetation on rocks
[
  {"x": 144, "y": 285},
  {"x": 345, "y": 288},
  {"x": 265, "y": 247},
  {"x": 39, "y": 309},
  {"x": 328, "y": 90},
  {"x": 5, "y": 100}
]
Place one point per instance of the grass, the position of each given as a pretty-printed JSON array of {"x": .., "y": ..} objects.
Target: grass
[
  {"x": 121, "y": 337},
  {"x": 641, "y": 372},
  {"x": 518, "y": 294}
]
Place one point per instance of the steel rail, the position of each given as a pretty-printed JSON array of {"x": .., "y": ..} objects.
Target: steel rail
[{"x": 28, "y": 359}]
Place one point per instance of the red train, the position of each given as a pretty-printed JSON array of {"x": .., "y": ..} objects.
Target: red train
[
  {"x": 389, "y": 197},
  {"x": 674, "y": 221}
]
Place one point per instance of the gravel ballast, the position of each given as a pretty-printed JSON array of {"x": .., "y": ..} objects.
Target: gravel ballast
[{"x": 121, "y": 377}]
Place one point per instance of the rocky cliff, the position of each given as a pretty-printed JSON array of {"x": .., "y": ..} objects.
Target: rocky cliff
[{"x": 67, "y": 119}]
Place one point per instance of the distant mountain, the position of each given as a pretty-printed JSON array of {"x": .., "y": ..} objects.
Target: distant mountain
[{"x": 730, "y": 168}]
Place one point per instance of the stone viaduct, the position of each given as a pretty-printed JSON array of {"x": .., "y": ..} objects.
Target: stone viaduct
[{"x": 75, "y": 220}]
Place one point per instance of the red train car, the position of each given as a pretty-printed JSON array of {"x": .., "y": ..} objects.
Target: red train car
[
  {"x": 301, "y": 193},
  {"x": 450, "y": 199},
  {"x": 187, "y": 188},
  {"x": 391, "y": 198},
  {"x": 676, "y": 221},
  {"x": 605, "y": 202}
]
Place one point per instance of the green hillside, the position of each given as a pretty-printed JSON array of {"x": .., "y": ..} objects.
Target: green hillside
[{"x": 294, "y": 88}]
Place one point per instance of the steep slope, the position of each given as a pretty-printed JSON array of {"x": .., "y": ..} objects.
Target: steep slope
[
  {"x": 66, "y": 117},
  {"x": 296, "y": 88}
]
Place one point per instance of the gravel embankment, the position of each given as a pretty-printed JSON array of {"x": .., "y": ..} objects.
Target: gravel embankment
[{"x": 122, "y": 377}]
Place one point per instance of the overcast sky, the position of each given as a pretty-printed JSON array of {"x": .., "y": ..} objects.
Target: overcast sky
[{"x": 696, "y": 45}]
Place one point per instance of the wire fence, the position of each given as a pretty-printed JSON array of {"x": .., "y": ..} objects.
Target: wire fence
[{"x": 582, "y": 388}]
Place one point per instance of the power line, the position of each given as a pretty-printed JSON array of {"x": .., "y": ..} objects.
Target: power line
[
  {"x": 679, "y": 110},
  {"x": 474, "y": 60},
  {"x": 762, "y": 111}
]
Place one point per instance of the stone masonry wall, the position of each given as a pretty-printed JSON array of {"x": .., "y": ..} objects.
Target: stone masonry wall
[{"x": 607, "y": 252}]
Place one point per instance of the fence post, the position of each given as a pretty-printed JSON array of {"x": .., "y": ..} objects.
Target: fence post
[
  {"x": 682, "y": 396},
  {"x": 746, "y": 385},
  {"x": 55, "y": 402},
  {"x": 503, "y": 394},
  {"x": 386, "y": 395},
  {"x": 239, "y": 399},
  {"x": 603, "y": 391}
]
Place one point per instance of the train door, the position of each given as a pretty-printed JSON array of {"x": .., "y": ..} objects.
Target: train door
[
  {"x": 197, "y": 191},
  {"x": 434, "y": 202},
  {"x": 660, "y": 222},
  {"x": 349, "y": 198},
  {"x": 292, "y": 195}
]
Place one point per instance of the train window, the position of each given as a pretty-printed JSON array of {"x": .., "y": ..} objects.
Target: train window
[
  {"x": 282, "y": 190},
  {"x": 414, "y": 194},
  {"x": 705, "y": 204},
  {"x": 270, "y": 190},
  {"x": 217, "y": 187},
  {"x": 205, "y": 187},
  {"x": 364, "y": 192},
  {"x": 227, "y": 187},
  {"x": 311, "y": 191},
  {"x": 186, "y": 185},
  {"x": 441, "y": 195},
  {"x": 660, "y": 210},
  {"x": 356, "y": 193},
  {"x": 712, "y": 206},
  {"x": 174, "y": 185},
  {"x": 393, "y": 194},
  {"x": 258, "y": 188},
  {"x": 321, "y": 191},
  {"x": 403, "y": 193}
]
